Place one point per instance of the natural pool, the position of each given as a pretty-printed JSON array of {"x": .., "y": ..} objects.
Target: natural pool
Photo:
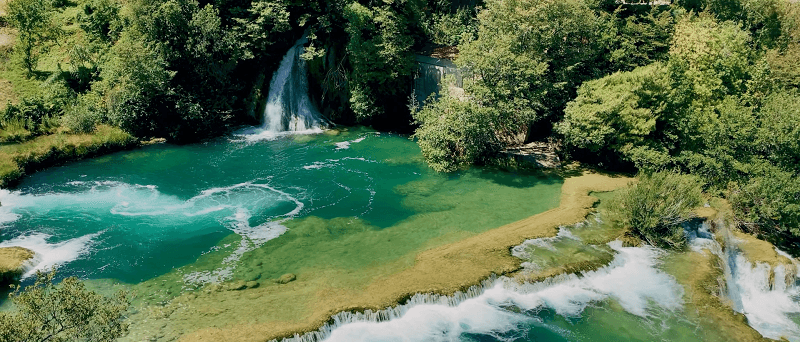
[
  {"x": 349, "y": 214},
  {"x": 337, "y": 210}
]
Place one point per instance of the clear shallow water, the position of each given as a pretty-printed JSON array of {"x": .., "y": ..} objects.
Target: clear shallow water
[
  {"x": 137, "y": 215},
  {"x": 164, "y": 220},
  {"x": 630, "y": 297}
]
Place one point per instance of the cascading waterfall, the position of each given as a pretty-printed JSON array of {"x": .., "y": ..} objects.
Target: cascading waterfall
[
  {"x": 631, "y": 280},
  {"x": 766, "y": 295},
  {"x": 288, "y": 107}
]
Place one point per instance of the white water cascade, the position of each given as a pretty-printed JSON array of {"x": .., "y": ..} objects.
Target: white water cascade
[
  {"x": 289, "y": 109},
  {"x": 768, "y": 296},
  {"x": 631, "y": 280}
]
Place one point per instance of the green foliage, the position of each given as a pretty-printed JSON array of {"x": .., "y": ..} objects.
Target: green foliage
[
  {"x": 712, "y": 111},
  {"x": 137, "y": 82},
  {"x": 762, "y": 18},
  {"x": 619, "y": 114},
  {"x": 63, "y": 312},
  {"x": 38, "y": 114},
  {"x": 446, "y": 28},
  {"x": 84, "y": 115},
  {"x": 529, "y": 56},
  {"x": 769, "y": 204},
  {"x": 637, "y": 40},
  {"x": 454, "y": 133},
  {"x": 257, "y": 32},
  {"x": 100, "y": 18},
  {"x": 663, "y": 115},
  {"x": 778, "y": 135},
  {"x": 710, "y": 60},
  {"x": 655, "y": 206},
  {"x": 35, "y": 28},
  {"x": 378, "y": 53}
]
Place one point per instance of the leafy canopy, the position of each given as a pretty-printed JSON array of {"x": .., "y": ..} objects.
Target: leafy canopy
[{"x": 63, "y": 312}]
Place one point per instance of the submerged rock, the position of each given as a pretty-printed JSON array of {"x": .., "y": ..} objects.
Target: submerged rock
[
  {"x": 237, "y": 285},
  {"x": 286, "y": 278},
  {"x": 13, "y": 262}
]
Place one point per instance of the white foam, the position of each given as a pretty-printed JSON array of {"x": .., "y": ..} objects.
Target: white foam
[
  {"x": 254, "y": 134},
  {"x": 252, "y": 238},
  {"x": 346, "y": 144},
  {"x": 333, "y": 162},
  {"x": 7, "y": 199},
  {"x": 48, "y": 254},
  {"x": 631, "y": 279},
  {"x": 766, "y": 305},
  {"x": 767, "y": 302}
]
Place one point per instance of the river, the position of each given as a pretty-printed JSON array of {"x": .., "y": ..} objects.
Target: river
[{"x": 206, "y": 237}]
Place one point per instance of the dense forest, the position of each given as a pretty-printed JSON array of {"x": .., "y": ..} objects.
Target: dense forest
[{"x": 701, "y": 87}]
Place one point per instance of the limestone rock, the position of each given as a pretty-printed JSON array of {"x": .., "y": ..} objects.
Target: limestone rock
[
  {"x": 237, "y": 285},
  {"x": 286, "y": 278}
]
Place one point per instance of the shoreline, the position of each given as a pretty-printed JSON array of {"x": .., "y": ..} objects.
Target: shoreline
[
  {"x": 444, "y": 270},
  {"x": 23, "y": 159}
]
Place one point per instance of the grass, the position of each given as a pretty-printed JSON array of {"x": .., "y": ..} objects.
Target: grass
[
  {"x": 18, "y": 159},
  {"x": 14, "y": 80},
  {"x": 21, "y": 152}
]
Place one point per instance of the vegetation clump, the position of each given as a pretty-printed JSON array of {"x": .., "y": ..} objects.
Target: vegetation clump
[{"x": 655, "y": 207}]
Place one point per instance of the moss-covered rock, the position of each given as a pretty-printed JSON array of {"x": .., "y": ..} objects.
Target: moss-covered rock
[{"x": 12, "y": 263}]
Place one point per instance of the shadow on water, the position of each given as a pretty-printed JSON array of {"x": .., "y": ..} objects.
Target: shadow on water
[{"x": 523, "y": 178}]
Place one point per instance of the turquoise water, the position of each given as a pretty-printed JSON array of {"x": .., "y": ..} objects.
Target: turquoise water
[
  {"x": 136, "y": 215},
  {"x": 339, "y": 210}
]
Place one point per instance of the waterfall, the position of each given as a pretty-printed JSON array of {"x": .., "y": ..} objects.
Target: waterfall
[
  {"x": 767, "y": 295},
  {"x": 288, "y": 107},
  {"x": 631, "y": 280}
]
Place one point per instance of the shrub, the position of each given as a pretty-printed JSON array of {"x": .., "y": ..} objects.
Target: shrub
[
  {"x": 453, "y": 133},
  {"x": 769, "y": 205},
  {"x": 655, "y": 207},
  {"x": 63, "y": 312},
  {"x": 84, "y": 115}
]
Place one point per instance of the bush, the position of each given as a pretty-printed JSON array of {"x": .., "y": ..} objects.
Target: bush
[
  {"x": 769, "y": 205},
  {"x": 654, "y": 208},
  {"x": 63, "y": 312},
  {"x": 453, "y": 133},
  {"x": 84, "y": 115},
  {"x": 100, "y": 18}
]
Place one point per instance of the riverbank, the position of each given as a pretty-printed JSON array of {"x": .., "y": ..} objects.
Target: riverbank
[
  {"x": 19, "y": 159},
  {"x": 308, "y": 303}
]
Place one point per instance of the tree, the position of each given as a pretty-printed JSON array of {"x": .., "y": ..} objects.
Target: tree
[
  {"x": 378, "y": 53},
  {"x": 618, "y": 115},
  {"x": 529, "y": 57},
  {"x": 63, "y": 312},
  {"x": 454, "y": 133},
  {"x": 32, "y": 19},
  {"x": 100, "y": 18},
  {"x": 637, "y": 40}
]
